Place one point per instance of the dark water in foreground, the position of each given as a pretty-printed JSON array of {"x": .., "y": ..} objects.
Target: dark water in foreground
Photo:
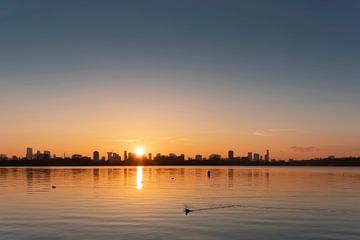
[{"x": 146, "y": 203}]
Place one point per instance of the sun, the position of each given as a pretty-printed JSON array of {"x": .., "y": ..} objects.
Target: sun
[{"x": 139, "y": 152}]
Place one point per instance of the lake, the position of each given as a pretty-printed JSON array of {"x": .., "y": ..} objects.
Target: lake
[{"x": 148, "y": 203}]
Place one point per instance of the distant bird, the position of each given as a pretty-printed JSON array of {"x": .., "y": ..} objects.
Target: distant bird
[
  {"x": 172, "y": 178},
  {"x": 209, "y": 174},
  {"x": 53, "y": 187}
]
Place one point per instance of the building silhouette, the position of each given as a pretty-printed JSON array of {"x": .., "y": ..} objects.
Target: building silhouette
[
  {"x": 214, "y": 157},
  {"x": 256, "y": 157},
  {"x": 116, "y": 157},
  {"x": 96, "y": 156},
  {"x": 47, "y": 154},
  {"x": 125, "y": 156},
  {"x": 250, "y": 156},
  {"x": 110, "y": 156},
  {"x": 29, "y": 153},
  {"x": 231, "y": 155},
  {"x": 267, "y": 156}
]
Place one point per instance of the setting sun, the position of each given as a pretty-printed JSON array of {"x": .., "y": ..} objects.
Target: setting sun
[{"x": 139, "y": 152}]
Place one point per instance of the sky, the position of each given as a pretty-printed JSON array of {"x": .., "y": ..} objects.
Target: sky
[{"x": 180, "y": 76}]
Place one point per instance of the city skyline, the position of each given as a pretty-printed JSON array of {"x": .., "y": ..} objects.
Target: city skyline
[
  {"x": 140, "y": 157},
  {"x": 294, "y": 152},
  {"x": 181, "y": 76},
  {"x": 138, "y": 152}
]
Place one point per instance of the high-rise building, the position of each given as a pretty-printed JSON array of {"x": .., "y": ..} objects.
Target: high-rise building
[
  {"x": 96, "y": 156},
  {"x": 256, "y": 157},
  {"x": 110, "y": 156},
  {"x": 125, "y": 155},
  {"x": 198, "y": 157},
  {"x": 149, "y": 156},
  {"x": 267, "y": 156},
  {"x": 47, "y": 154},
  {"x": 231, "y": 155},
  {"x": 250, "y": 156},
  {"x": 29, "y": 153},
  {"x": 116, "y": 157}
]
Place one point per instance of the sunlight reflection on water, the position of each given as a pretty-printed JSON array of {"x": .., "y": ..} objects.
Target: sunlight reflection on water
[{"x": 139, "y": 178}]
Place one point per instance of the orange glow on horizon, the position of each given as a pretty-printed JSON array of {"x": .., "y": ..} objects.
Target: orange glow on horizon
[{"x": 139, "y": 152}]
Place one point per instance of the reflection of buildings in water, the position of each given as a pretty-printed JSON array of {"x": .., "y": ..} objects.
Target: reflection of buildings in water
[
  {"x": 29, "y": 177},
  {"x": 199, "y": 173},
  {"x": 258, "y": 176},
  {"x": 267, "y": 177},
  {"x": 96, "y": 175},
  {"x": 139, "y": 178},
  {"x": 38, "y": 180},
  {"x": 125, "y": 176},
  {"x": 109, "y": 172},
  {"x": 230, "y": 177}
]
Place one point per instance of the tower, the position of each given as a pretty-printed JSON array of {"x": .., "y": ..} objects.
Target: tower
[
  {"x": 125, "y": 155},
  {"x": 250, "y": 156},
  {"x": 29, "y": 153},
  {"x": 231, "y": 155},
  {"x": 267, "y": 156},
  {"x": 96, "y": 156},
  {"x": 110, "y": 156}
]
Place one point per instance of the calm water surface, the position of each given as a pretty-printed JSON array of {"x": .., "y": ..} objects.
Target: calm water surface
[{"x": 146, "y": 203}]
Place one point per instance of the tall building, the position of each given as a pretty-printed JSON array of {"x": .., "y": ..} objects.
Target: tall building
[
  {"x": 231, "y": 155},
  {"x": 29, "y": 153},
  {"x": 47, "y": 154},
  {"x": 116, "y": 157},
  {"x": 125, "y": 155},
  {"x": 256, "y": 157},
  {"x": 250, "y": 156},
  {"x": 267, "y": 156},
  {"x": 110, "y": 156},
  {"x": 198, "y": 157},
  {"x": 149, "y": 156},
  {"x": 96, "y": 156}
]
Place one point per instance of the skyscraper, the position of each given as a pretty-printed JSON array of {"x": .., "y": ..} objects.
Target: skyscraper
[
  {"x": 125, "y": 155},
  {"x": 256, "y": 157},
  {"x": 231, "y": 155},
  {"x": 267, "y": 156},
  {"x": 116, "y": 157},
  {"x": 250, "y": 157},
  {"x": 96, "y": 156},
  {"x": 110, "y": 156},
  {"x": 29, "y": 153},
  {"x": 47, "y": 154},
  {"x": 149, "y": 156}
]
